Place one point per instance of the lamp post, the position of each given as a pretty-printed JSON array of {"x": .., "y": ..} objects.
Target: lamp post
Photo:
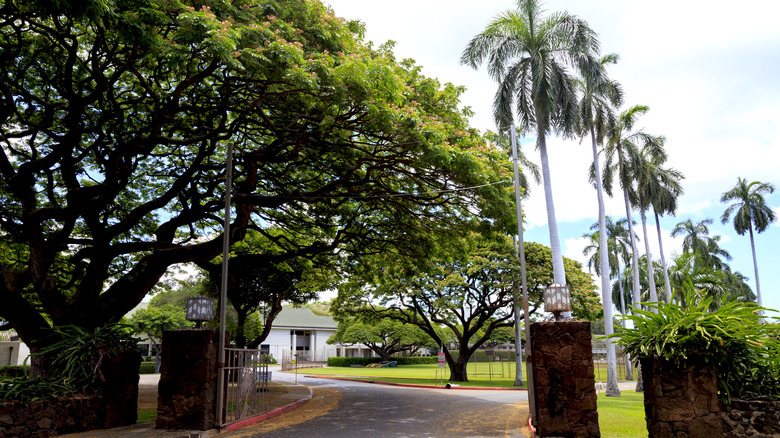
[
  {"x": 223, "y": 286},
  {"x": 557, "y": 300},
  {"x": 520, "y": 253},
  {"x": 200, "y": 309}
]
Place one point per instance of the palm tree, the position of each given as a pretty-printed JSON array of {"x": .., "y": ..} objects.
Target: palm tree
[
  {"x": 749, "y": 210},
  {"x": 599, "y": 96},
  {"x": 659, "y": 187},
  {"x": 529, "y": 56},
  {"x": 689, "y": 268},
  {"x": 697, "y": 241},
  {"x": 621, "y": 148}
]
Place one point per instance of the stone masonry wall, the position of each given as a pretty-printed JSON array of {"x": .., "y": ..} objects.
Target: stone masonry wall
[
  {"x": 187, "y": 391},
  {"x": 114, "y": 404},
  {"x": 750, "y": 418},
  {"x": 564, "y": 380},
  {"x": 680, "y": 402}
]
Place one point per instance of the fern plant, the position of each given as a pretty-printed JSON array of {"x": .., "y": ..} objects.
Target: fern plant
[{"x": 743, "y": 352}]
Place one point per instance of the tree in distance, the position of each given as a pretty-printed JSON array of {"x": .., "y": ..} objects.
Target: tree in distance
[
  {"x": 467, "y": 290},
  {"x": 384, "y": 336}
]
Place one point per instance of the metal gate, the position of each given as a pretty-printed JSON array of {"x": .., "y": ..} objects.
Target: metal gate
[{"x": 246, "y": 384}]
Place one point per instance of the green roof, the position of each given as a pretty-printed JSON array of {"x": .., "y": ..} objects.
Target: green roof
[{"x": 291, "y": 317}]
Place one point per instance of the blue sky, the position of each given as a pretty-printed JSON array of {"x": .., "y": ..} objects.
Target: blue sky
[{"x": 709, "y": 76}]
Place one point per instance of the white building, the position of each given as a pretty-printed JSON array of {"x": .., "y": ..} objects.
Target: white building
[
  {"x": 306, "y": 334},
  {"x": 12, "y": 350}
]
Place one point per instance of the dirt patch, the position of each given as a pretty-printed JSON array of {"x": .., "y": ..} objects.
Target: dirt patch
[{"x": 323, "y": 401}]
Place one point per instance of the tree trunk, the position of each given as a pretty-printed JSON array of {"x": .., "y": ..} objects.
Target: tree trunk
[
  {"x": 650, "y": 273},
  {"x": 606, "y": 291},
  {"x": 559, "y": 275},
  {"x": 755, "y": 266},
  {"x": 635, "y": 292},
  {"x": 667, "y": 285},
  {"x": 458, "y": 368}
]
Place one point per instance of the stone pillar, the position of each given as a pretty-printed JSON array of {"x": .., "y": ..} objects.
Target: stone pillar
[
  {"x": 186, "y": 395},
  {"x": 564, "y": 380},
  {"x": 120, "y": 389},
  {"x": 293, "y": 342},
  {"x": 681, "y": 400}
]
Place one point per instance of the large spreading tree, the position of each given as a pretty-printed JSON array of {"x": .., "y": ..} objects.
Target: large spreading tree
[
  {"x": 467, "y": 289},
  {"x": 115, "y": 120}
]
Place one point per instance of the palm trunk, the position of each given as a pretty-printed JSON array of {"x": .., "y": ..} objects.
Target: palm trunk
[
  {"x": 606, "y": 291},
  {"x": 634, "y": 257},
  {"x": 667, "y": 285},
  {"x": 559, "y": 275},
  {"x": 755, "y": 269},
  {"x": 755, "y": 265},
  {"x": 629, "y": 368},
  {"x": 650, "y": 273}
]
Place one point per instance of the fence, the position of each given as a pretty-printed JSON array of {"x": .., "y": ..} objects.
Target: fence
[
  {"x": 304, "y": 359},
  {"x": 246, "y": 378}
]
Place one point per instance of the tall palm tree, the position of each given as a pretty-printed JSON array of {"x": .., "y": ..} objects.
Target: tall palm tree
[
  {"x": 749, "y": 210},
  {"x": 619, "y": 153},
  {"x": 697, "y": 240},
  {"x": 529, "y": 55},
  {"x": 599, "y": 96},
  {"x": 659, "y": 187}
]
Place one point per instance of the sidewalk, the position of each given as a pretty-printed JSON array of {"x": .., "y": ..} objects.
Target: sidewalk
[{"x": 279, "y": 402}]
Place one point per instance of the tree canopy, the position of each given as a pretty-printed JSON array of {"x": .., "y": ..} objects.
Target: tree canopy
[
  {"x": 116, "y": 117},
  {"x": 468, "y": 289}
]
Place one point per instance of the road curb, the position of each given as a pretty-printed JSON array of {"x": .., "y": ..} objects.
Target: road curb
[
  {"x": 412, "y": 385},
  {"x": 268, "y": 415}
]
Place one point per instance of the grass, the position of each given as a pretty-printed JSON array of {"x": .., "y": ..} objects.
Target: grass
[
  {"x": 480, "y": 374},
  {"x": 622, "y": 417},
  {"x": 146, "y": 415}
]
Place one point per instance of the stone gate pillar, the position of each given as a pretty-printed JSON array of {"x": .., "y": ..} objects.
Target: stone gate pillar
[
  {"x": 681, "y": 400},
  {"x": 564, "y": 380},
  {"x": 186, "y": 395}
]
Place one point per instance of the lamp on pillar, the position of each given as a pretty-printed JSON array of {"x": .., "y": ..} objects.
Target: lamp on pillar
[
  {"x": 200, "y": 309},
  {"x": 557, "y": 300}
]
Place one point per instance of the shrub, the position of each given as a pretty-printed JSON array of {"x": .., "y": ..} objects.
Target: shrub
[
  {"x": 147, "y": 368},
  {"x": 743, "y": 352},
  {"x": 14, "y": 371},
  {"x": 347, "y": 361}
]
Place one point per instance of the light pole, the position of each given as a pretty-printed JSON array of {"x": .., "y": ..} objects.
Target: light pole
[
  {"x": 223, "y": 286},
  {"x": 520, "y": 252}
]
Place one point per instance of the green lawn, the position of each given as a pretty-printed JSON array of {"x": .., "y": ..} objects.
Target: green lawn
[
  {"x": 145, "y": 415},
  {"x": 480, "y": 374},
  {"x": 622, "y": 417}
]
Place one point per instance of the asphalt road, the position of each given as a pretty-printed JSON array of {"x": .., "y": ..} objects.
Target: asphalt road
[{"x": 351, "y": 409}]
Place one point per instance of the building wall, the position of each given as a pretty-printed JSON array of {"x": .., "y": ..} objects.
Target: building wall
[{"x": 13, "y": 353}]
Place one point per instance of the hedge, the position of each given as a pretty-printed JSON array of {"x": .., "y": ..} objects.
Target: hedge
[
  {"x": 347, "y": 361},
  {"x": 15, "y": 371},
  {"x": 148, "y": 368}
]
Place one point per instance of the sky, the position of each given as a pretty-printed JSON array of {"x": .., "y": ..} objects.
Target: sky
[{"x": 709, "y": 75}]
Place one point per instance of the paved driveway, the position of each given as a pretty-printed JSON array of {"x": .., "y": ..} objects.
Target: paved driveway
[{"x": 349, "y": 409}]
